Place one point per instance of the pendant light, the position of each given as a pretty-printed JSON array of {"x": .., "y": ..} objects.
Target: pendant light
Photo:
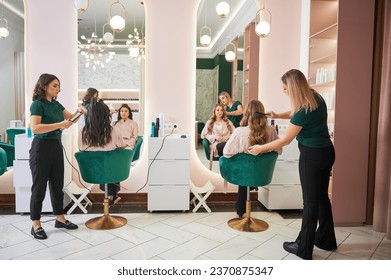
[
  {"x": 230, "y": 54},
  {"x": 4, "y": 31},
  {"x": 108, "y": 37},
  {"x": 205, "y": 32},
  {"x": 81, "y": 5},
  {"x": 263, "y": 19},
  {"x": 117, "y": 22},
  {"x": 223, "y": 8}
]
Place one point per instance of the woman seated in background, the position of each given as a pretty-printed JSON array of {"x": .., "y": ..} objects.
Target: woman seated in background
[
  {"x": 217, "y": 130},
  {"x": 127, "y": 126},
  {"x": 253, "y": 130},
  {"x": 98, "y": 135}
]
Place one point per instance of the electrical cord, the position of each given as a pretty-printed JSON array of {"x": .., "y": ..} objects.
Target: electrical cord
[
  {"x": 149, "y": 167},
  {"x": 78, "y": 173}
]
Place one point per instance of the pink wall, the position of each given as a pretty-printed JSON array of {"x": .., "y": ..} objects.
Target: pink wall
[
  {"x": 279, "y": 52},
  {"x": 352, "y": 106}
]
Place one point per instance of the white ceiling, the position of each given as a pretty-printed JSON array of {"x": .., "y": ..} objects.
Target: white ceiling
[{"x": 223, "y": 29}]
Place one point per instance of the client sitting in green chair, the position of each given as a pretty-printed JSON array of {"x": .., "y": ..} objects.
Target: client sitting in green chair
[
  {"x": 99, "y": 135},
  {"x": 253, "y": 130}
]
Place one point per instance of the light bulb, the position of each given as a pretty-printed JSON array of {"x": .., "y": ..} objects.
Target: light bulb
[
  {"x": 108, "y": 37},
  {"x": 222, "y": 9},
  {"x": 230, "y": 56},
  {"x": 4, "y": 32},
  {"x": 117, "y": 23},
  {"x": 262, "y": 29},
  {"x": 81, "y": 5},
  {"x": 205, "y": 40}
]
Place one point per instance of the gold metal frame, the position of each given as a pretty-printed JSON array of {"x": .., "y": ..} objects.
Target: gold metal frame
[{"x": 248, "y": 223}]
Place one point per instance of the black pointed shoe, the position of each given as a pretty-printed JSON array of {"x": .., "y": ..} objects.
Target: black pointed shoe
[
  {"x": 66, "y": 225},
  {"x": 38, "y": 233},
  {"x": 291, "y": 247}
]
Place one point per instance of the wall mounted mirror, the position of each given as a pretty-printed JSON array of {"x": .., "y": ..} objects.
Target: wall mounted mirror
[
  {"x": 214, "y": 73},
  {"x": 111, "y": 61}
]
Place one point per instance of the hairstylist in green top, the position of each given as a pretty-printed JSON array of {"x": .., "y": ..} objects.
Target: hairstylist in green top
[
  {"x": 234, "y": 109},
  {"x": 48, "y": 119},
  {"x": 308, "y": 123}
]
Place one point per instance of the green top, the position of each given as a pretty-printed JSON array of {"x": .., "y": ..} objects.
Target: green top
[
  {"x": 314, "y": 132},
  {"x": 50, "y": 112},
  {"x": 234, "y": 119}
]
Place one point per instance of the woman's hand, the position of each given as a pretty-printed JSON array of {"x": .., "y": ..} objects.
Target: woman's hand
[
  {"x": 82, "y": 109},
  {"x": 256, "y": 150},
  {"x": 65, "y": 124},
  {"x": 272, "y": 114}
]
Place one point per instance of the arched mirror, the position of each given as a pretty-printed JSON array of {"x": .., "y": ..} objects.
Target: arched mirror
[
  {"x": 214, "y": 73},
  {"x": 111, "y": 48}
]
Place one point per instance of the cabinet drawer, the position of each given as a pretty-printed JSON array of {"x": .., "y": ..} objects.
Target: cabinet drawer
[
  {"x": 281, "y": 197},
  {"x": 173, "y": 148},
  {"x": 174, "y": 172},
  {"x": 22, "y": 174},
  {"x": 286, "y": 173},
  {"x": 168, "y": 197}
]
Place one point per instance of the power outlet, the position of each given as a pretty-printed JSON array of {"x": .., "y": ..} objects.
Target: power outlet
[{"x": 171, "y": 126}]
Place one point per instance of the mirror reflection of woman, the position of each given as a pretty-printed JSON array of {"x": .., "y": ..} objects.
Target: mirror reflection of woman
[
  {"x": 234, "y": 109},
  {"x": 217, "y": 130},
  {"x": 127, "y": 126}
]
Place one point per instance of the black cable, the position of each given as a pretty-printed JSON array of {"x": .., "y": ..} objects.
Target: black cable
[
  {"x": 149, "y": 167},
  {"x": 78, "y": 173}
]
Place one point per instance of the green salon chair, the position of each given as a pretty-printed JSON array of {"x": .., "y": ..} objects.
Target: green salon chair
[
  {"x": 206, "y": 145},
  {"x": 3, "y": 161},
  {"x": 10, "y": 151},
  {"x": 105, "y": 167},
  {"x": 11, "y": 132},
  {"x": 137, "y": 147},
  {"x": 250, "y": 171}
]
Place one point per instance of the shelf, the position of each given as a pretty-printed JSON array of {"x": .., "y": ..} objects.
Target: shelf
[
  {"x": 328, "y": 59},
  {"x": 329, "y": 32},
  {"x": 323, "y": 85}
]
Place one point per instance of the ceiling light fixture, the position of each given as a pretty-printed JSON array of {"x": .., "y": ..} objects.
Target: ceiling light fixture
[
  {"x": 108, "y": 37},
  {"x": 94, "y": 54},
  {"x": 263, "y": 22},
  {"x": 81, "y": 5},
  {"x": 117, "y": 22},
  {"x": 230, "y": 53},
  {"x": 222, "y": 8},
  {"x": 4, "y": 31},
  {"x": 205, "y": 32}
]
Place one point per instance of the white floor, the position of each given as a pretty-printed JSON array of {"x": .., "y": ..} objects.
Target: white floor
[{"x": 178, "y": 236}]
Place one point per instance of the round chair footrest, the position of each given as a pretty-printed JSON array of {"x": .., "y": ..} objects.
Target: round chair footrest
[
  {"x": 106, "y": 222},
  {"x": 248, "y": 224}
]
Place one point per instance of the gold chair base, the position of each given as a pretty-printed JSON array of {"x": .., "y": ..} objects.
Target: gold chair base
[
  {"x": 106, "y": 222},
  {"x": 248, "y": 224}
]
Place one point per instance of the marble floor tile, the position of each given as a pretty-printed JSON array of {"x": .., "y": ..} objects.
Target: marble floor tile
[
  {"x": 171, "y": 233},
  {"x": 133, "y": 234},
  {"x": 20, "y": 249},
  {"x": 359, "y": 246},
  {"x": 11, "y": 235},
  {"x": 209, "y": 232}
]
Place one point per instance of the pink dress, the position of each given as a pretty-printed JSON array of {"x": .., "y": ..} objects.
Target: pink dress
[
  {"x": 239, "y": 143},
  {"x": 116, "y": 142}
]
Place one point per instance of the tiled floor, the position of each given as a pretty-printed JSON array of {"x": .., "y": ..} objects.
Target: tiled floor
[{"x": 183, "y": 236}]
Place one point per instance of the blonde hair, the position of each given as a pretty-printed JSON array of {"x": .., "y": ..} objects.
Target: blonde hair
[
  {"x": 226, "y": 94},
  {"x": 224, "y": 117},
  {"x": 300, "y": 93},
  {"x": 254, "y": 117}
]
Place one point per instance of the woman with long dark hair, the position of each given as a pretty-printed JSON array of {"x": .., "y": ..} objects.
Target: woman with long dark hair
[
  {"x": 127, "y": 126},
  {"x": 48, "y": 119},
  {"x": 253, "y": 130},
  {"x": 99, "y": 135},
  {"x": 308, "y": 123}
]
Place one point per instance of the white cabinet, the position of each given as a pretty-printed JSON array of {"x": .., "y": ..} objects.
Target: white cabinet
[
  {"x": 284, "y": 191},
  {"x": 169, "y": 174},
  {"x": 22, "y": 173}
]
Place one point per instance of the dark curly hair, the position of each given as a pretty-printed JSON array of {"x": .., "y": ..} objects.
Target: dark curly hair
[
  {"x": 89, "y": 95},
  {"x": 43, "y": 81},
  {"x": 97, "y": 129},
  {"x": 119, "y": 112}
]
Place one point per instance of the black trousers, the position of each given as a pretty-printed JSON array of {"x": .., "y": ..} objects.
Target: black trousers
[
  {"x": 112, "y": 189},
  {"x": 47, "y": 165},
  {"x": 241, "y": 200},
  {"x": 314, "y": 168}
]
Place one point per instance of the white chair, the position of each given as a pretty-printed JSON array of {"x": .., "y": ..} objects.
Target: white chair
[
  {"x": 71, "y": 190},
  {"x": 207, "y": 189}
]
